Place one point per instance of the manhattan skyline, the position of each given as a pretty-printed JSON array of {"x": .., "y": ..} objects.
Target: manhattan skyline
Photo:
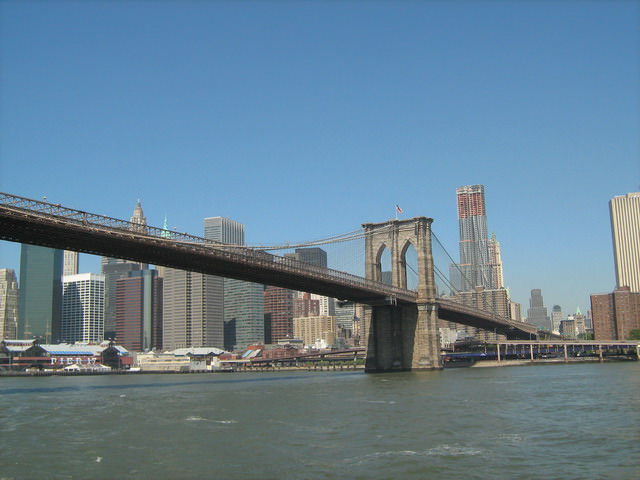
[{"x": 306, "y": 120}]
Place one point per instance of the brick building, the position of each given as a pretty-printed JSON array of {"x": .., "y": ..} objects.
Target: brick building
[{"x": 615, "y": 314}]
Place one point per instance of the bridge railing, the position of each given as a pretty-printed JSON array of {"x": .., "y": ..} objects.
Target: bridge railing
[
  {"x": 92, "y": 219},
  {"x": 240, "y": 254}
]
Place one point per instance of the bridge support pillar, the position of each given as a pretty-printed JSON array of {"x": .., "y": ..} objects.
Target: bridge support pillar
[{"x": 402, "y": 336}]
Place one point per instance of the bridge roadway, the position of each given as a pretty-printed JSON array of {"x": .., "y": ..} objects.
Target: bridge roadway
[{"x": 39, "y": 223}]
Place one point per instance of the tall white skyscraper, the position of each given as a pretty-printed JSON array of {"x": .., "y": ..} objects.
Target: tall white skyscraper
[
  {"x": 8, "y": 304},
  {"x": 556, "y": 318},
  {"x": 82, "y": 308},
  {"x": 70, "y": 265},
  {"x": 625, "y": 229},
  {"x": 495, "y": 261},
  {"x": 224, "y": 230}
]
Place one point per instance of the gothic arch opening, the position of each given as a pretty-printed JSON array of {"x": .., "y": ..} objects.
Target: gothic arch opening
[
  {"x": 409, "y": 274},
  {"x": 383, "y": 265}
]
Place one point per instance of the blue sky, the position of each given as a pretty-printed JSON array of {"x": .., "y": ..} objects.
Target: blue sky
[{"x": 306, "y": 119}]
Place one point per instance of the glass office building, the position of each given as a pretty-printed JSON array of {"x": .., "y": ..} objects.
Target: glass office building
[{"x": 40, "y": 293}]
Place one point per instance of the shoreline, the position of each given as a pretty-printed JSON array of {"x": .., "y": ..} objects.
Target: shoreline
[
  {"x": 316, "y": 368},
  {"x": 45, "y": 373}
]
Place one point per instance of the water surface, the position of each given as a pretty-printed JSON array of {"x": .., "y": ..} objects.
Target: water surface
[{"x": 545, "y": 421}]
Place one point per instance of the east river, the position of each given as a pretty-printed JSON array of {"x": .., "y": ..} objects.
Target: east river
[{"x": 533, "y": 422}]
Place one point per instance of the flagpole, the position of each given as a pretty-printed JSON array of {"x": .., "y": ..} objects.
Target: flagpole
[{"x": 398, "y": 210}]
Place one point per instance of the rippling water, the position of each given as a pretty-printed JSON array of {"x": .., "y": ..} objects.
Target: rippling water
[{"x": 535, "y": 422}]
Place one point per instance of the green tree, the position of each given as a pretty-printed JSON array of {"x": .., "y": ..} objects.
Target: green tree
[{"x": 634, "y": 334}]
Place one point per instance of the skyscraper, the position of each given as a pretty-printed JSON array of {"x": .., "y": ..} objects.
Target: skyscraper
[
  {"x": 311, "y": 255},
  {"x": 40, "y": 293},
  {"x": 115, "y": 268},
  {"x": 346, "y": 322},
  {"x": 139, "y": 222},
  {"x": 515, "y": 310},
  {"x": 224, "y": 230},
  {"x": 305, "y": 306},
  {"x": 282, "y": 305},
  {"x": 82, "y": 308},
  {"x": 243, "y": 302},
  {"x": 139, "y": 311},
  {"x": 70, "y": 263},
  {"x": 138, "y": 218},
  {"x": 192, "y": 312},
  {"x": 278, "y": 313},
  {"x": 8, "y": 304},
  {"x": 475, "y": 267},
  {"x": 537, "y": 313},
  {"x": 114, "y": 271},
  {"x": 495, "y": 262},
  {"x": 205, "y": 310},
  {"x": 314, "y": 330},
  {"x": 244, "y": 305},
  {"x": 478, "y": 279},
  {"x": 625, "y": 229},
  {"x": 556, "y": 318},
  {"x": 491, "y": 300},
  {"x": 318, "y": 257}
]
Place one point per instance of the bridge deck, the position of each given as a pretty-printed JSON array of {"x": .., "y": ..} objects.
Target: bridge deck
[{"x": 63, "y": 228}]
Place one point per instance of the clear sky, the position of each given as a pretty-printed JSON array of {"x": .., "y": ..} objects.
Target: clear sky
[{"x": 306, "y": 119}]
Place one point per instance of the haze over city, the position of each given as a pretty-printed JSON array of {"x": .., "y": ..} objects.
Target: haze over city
[{"x": 304, "y": 120}]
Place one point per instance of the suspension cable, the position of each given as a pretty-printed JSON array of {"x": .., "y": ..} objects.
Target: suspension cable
[
  {"x": 485, "y": 301},
  {"x": 345, "y": 237}
]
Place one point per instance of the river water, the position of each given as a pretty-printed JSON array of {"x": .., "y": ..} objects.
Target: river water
[{"x": 532, "y": 422}]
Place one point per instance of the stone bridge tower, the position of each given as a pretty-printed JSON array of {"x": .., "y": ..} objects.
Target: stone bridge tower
[{"x": 402, "y": 336}]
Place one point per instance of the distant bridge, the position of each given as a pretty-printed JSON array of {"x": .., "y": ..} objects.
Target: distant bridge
[{"x": 39, "y": 223}]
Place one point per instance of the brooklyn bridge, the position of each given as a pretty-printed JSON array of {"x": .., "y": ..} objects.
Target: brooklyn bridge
[{"x": 400, "y": 322}]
